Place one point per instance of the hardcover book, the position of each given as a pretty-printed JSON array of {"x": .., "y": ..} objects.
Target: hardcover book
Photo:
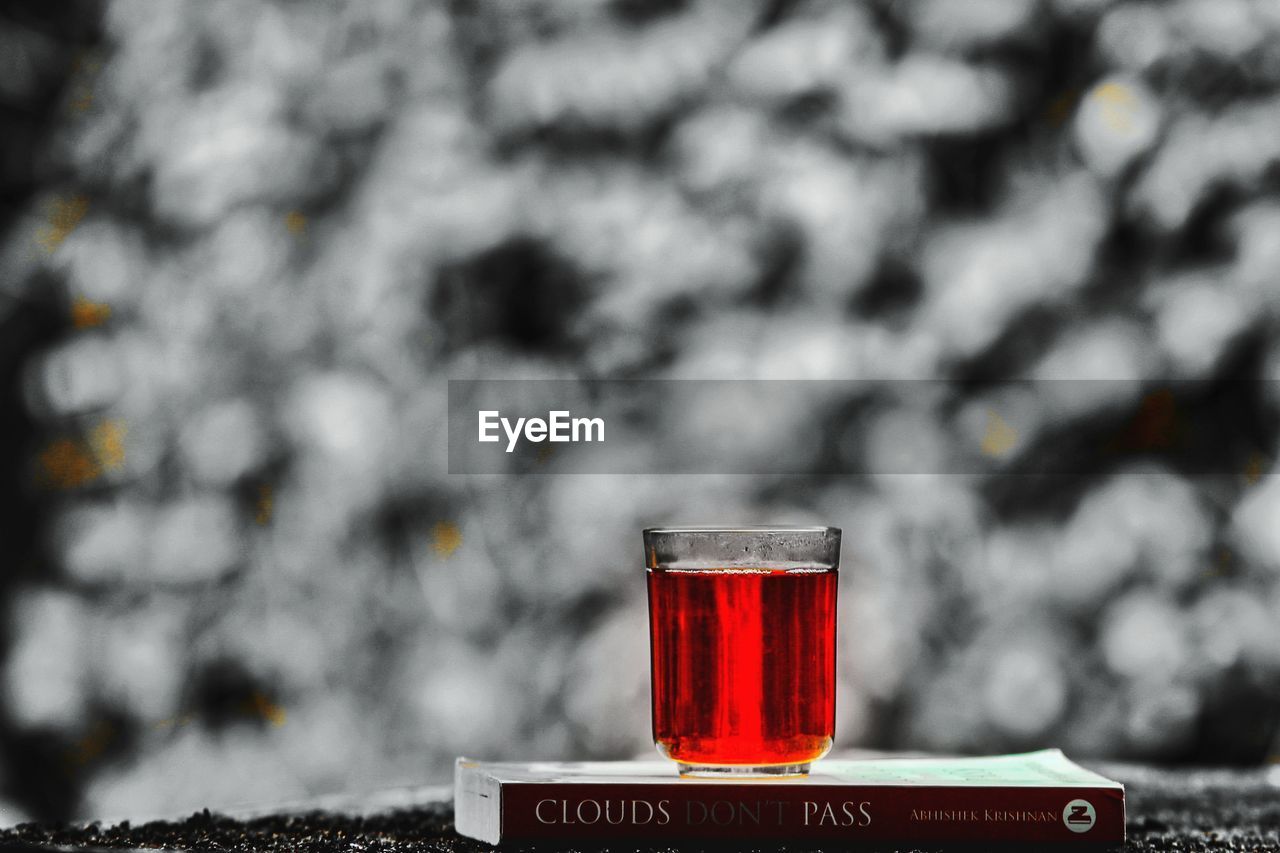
[{"x": 1033, "y": 797}]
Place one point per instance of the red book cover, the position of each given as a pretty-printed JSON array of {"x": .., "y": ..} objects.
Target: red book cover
[{"x": 1034, "y": 797}]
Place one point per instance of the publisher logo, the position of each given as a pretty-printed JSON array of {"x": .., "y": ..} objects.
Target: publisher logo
[{"x": 1079, "y": 816}]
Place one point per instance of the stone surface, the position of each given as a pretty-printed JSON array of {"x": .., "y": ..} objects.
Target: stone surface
[{"x": 1183, "y": 810}]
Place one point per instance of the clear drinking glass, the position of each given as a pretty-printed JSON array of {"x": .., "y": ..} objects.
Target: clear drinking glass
[{"x": 742, "y": 628}]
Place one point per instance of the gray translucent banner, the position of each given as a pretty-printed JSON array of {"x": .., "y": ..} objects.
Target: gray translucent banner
[{"x": 824, "y": 427}]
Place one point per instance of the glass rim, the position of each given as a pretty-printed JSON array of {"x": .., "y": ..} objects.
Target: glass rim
[
  {"x": 740, "y": 528},
  {"x": 742, "y": 546}
]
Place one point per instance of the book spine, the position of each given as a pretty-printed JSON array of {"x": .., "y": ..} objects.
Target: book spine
[{"x": 811, "y": 812}]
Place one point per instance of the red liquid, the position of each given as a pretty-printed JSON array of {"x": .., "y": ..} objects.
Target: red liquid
[{"x": 743, "y": 665}]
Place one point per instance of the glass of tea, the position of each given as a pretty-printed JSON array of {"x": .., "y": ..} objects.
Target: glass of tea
[{"x": 742, "y": 632}]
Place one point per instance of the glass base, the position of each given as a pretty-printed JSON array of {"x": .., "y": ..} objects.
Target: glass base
[{"x": 743, "y": 771}]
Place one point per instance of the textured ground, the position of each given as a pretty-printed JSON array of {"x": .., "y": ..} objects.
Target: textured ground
[{"x": 1168, "y": 810}]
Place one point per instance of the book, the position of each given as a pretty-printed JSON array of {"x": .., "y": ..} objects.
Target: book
[{"x": 1033, "y": 797}]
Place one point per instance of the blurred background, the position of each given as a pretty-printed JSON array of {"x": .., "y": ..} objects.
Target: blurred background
[{"x": 243, "y": 244}]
